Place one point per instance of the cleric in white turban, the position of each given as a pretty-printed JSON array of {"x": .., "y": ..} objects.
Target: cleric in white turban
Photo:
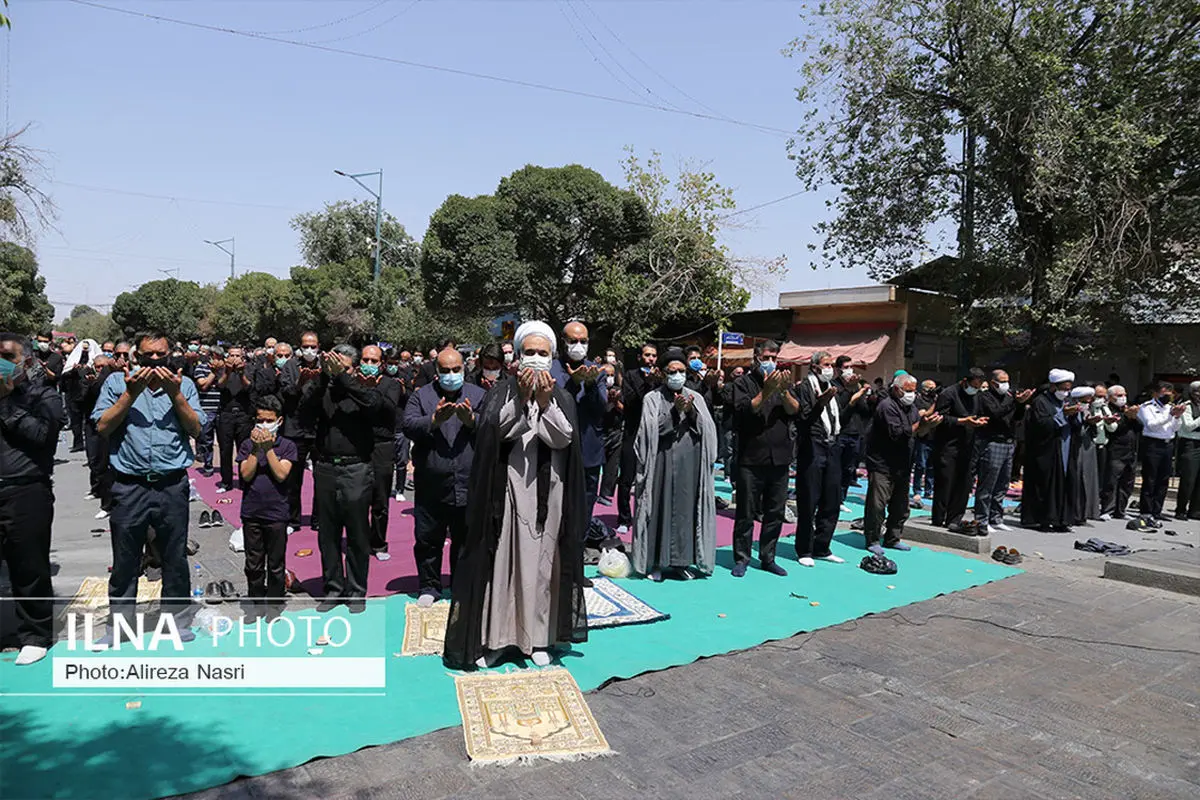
[
  {"x": 1053, "y": 426},
  {"x": 518, "y": 586}
]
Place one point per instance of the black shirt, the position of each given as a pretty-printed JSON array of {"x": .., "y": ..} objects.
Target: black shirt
[
  {"x": 633, "y": 391},
  {"x": 30, "y": 419},
  {"x": 1002, "y": 411},
  {"x": 51, "y": 361},
  {"x": 383, "y": 416},
  {"x": 856, "y": 417},
  {"x": 765, "y": 435},
  {"x": 344, "y": 426},
  {"x": 953, "y": 404},
  {"x": 236, "y": 399},
  {"x": 810, "y": 422},
  {"x": 925, "y": 402},
  {"x": 301, "y": 400},
  {"x": 889, "y": 442}
]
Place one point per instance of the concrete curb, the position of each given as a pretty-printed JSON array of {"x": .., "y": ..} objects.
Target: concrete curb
[
  {"x": 1173, "y": 577},
  {"x": 927, "y": 534}
]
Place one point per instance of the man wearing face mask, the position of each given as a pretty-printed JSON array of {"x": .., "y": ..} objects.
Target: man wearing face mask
[
  {"x": 301, "y": 390},
  {"x": 727, "y": 428},
  {"x": 49, "y": 360},
  {"x": 429, "y": 371},
  {"x": 614, "y": 432},
  {"x": 491, "y": 367},
  {"x": 1091, "y": 441},
  {"x": 953, "y": 446},
  {"x": 994, "y": 445},
  {"x": 343, "y": 477},
  {"x": 440, "y": 421},
  {"x": 889, "y": 459},
  {"x": 402, "y": 370},
  {"x": 764, "y": 407},
  {"x": 383, "y": 457},
  {"x": 818, "y": 468},
  {"x": 1187, "y": 504},
  {"x": 580, "y": 378},
  {"x": 149, "y": 415},
  {"x": 634, "y": 386},
  {"x": 707, "y": 383},
  {"x": 1052, "y": 428},
  {"x": 235, "y": 419},
  {"x": 1161, "y": 422},
  {"x": 855, "y": 406},
  {"x": 1122, "y": 439},
  {"x": 31, "y": 417},
  {"x": 510, "y": 360},
  {"x": 922, "y": 472}
]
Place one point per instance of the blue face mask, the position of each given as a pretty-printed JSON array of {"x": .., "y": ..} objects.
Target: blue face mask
[
  {"x": 370, "y": 370},
  {"x": 7, "y": 368},
  {"x": 767, "y": 367},
  {"x": 392, "y": 369},
  {"x": 451, "y": 381},
  {"x": 193, "y": 348},
  {"x": 696, "y": 364},
  {"x": 280, "y": 362}
]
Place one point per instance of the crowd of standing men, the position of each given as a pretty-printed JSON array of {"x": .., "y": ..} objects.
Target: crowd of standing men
[{"x": 649, "y": 434}]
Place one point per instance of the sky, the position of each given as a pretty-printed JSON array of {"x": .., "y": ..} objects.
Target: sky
[{"x": 157, "y": 136}]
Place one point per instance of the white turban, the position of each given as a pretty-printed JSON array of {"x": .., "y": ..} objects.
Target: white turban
[
  {"x": 1061, "y": 375},
  {"x": 1082, "y": 391},
  {"x": 535, "y": 328}
]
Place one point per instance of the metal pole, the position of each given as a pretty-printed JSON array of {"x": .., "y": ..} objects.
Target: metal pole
[
  {"x": 720, "y": 347},
  {"x": 232, "y": 250},
  {"x": 378, "y": 224}
]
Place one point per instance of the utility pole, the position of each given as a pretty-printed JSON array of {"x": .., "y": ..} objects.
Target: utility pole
[
  {"x": 221, "y": 246},
  {"x": 378, "y": 195}
]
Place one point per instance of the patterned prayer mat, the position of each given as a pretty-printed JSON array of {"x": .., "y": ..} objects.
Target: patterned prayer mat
[
  {"x": 425, "y": 629},
  {"x": 609, "y": 605},
  {"x": 527, "y": 715},
  {"x": 93, "y": 594}
]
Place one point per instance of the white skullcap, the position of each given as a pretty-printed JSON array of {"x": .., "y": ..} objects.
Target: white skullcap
[
  {"x": 1061, "y": 375},
  {"x": 536, "y": 328},
  {"x": 1082, "y": 391}
]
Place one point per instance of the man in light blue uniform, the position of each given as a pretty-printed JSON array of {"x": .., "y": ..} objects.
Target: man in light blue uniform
[{"x": 149, "y": 414}]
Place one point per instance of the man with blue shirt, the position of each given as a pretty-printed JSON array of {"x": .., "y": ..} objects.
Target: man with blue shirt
[
  {"x": 580, "y": 378},
  {"x": 149, "y": 414}
]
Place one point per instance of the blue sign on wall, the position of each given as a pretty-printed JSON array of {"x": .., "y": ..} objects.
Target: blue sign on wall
[{"x": 732, "y": 338}]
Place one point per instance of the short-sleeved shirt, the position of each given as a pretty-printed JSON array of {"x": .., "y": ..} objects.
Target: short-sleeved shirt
[
  {"x": 266, "y": 499},
  {"x": 151, "y": 440}
]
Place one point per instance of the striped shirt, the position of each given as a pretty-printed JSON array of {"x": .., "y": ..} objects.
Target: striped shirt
[{"x": 210, "y": 399}]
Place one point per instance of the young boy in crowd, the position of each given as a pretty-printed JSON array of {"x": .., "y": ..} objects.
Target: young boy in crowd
[{"x": 265, "y": 461}]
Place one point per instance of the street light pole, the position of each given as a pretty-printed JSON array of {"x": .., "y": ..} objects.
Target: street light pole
[
  {"x": 378, "y": 195},
  {"x": 221, "y": 246}
]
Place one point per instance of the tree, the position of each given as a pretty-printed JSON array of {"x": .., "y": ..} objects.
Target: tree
[
  {"x": 24, "y": 308},
  {"x": 336, "y": 297},
  {"x": 539, "y": 246},
  {"x": 256, "y": 305},
  {"x": 23, "y": 206},
  {"x": 344, "y": 232},
  {"x": 88, "y": 323},
  {"x": 172, "y": 306},
  {"x": 680, "y": 273},
  {"x": 1077, "y": 181}
]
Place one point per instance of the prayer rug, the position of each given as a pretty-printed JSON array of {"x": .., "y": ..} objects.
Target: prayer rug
[
  {"x": 527, "y": 715},
  {"x": 608, "y": 605},
  {"x": 93, "y": 595},
  {"x": 425, "y": 629}
]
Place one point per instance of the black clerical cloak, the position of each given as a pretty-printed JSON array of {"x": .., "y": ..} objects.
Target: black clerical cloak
[
  {"x": 485, "y": 515},
  {"x": 1047, "y": 499}
]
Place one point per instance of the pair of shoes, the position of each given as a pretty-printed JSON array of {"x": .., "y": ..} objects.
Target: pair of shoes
[
  {"x": 1007, "y": 556},
  {"x": 604, "y": 501},
  {"x": 774, "y": 569},
  {"x": 101, "y": 514},
  {"x": 739, "y": 570},
  {"x": 213, "y": 520},
  {"x": 383, "y": 555}
]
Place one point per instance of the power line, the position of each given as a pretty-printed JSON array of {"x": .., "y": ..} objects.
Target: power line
[
  {"x": 172, "y": 198},
  {"x": 374, "y": 27},
  {"x": 741, "y": 211},
  {"x": 346, "y": 18},
  {"x": 595, "y": 57},
  {"x": 437, "y": 68}
]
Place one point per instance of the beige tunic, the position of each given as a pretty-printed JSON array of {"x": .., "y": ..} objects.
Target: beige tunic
[{"x": 518, "y": 610}]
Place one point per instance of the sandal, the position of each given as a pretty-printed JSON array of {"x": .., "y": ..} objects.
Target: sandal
[
  {"x": 1000, "y": 553},
  {"x": 1012, "y": 557}
]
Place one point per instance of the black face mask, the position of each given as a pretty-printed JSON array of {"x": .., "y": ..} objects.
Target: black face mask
[{"x": 151, "y": 362}]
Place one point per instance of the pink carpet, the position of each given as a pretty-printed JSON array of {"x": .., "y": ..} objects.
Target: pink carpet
[{"x": 397, "y": 575}]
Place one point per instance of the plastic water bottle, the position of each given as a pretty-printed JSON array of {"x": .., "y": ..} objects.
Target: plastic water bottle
[{"x": 197, "y": 590}]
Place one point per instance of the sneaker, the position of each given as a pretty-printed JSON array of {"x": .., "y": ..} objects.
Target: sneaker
[
  {"x": 625, "y": 529},
  {"x": 1105, "y": 517},
  {"x": 383, "y": 555},
  {"x": 916, "y": 502},
  {"x": 1000, "y": 526},
  {"x": 205, "y": 519},
  {"x": 400, "y": 498},
  {"x": 221, "y": 490},
  {"x": 89, "y": 496},
  {"x": 876, "y": 549},
  {"x": 604, "y": 501},
  {"x": 101, "y": 514},
  {"x": 217, "y": 520}
]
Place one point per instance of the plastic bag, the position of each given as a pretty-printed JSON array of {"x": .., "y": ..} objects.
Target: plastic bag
[
  {"x": 614, "y": 564},
  {"x": 237, "y": 542}
]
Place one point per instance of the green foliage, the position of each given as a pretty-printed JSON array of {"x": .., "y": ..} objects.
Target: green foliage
[
  {"x": 469, "y": 259},
  {"x": 173, "y": 306},
  {"x": 24, "y": 308},
  {"x": 23, "y": 206},
  {"x": 1086, "y": 122},
  {"x": 88, "y": 323},
  {"x": 345, "y": 232},
  {"x": 256, "y": 305},
  {"x": 337, "y": 297}
]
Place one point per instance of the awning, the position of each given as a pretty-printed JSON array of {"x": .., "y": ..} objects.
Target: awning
[{"x": 863, "y": 349}]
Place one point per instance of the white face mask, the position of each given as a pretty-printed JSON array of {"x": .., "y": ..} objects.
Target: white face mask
[
  {"x": 1061, "y": 394},
  {"x": 577, "y": 351},
  {"x": 508, "y": 358},
  {"x": 1120, "y": 400},
  {"x": 536, "y": 363},
  {"x": 418, "y": 359},
  {"x": 612, "y": 360},
  {"x": 308, "y": 352},
  {"x": 908, "y": 398},
  {"x": 826, "y": 374},
  {"x": 491, "y": 374},
  {"x": 847, "y": 374},
  {"x": 1099, "y": 402},
  {"x": 675, "y": 380},
  {"x": 1002, "y": 388},
  {"x": 269, "y": 427}
]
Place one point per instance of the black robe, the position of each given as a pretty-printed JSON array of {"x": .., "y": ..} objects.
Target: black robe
[
  {"x": 485, "y": 515},
  {"x": 1047, "y": 499}
]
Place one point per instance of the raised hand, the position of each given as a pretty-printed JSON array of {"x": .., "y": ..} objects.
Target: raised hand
[
  {"x": 168, "y": 380},
  {"x": 137, "y": 380},
  {"x": 1023, "y": 397},
  {"x": 334, "y": 364},
  {"x": 1132, "y": 411},
  {"x": 1178, "y": 410},
  {"x": 544, "y": 389},
  {"x": 525, "y": 384},
  {"x": 443, "y": 412},
  {"x": 463, "y": 410},
  {"x": 681, "y": 402}
]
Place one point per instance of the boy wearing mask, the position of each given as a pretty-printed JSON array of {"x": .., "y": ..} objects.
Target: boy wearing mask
[{"x": 265, "y": 461}]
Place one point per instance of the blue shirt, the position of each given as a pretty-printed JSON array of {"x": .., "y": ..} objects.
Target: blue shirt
[
  {"x": 591, "y": 404},
  {"x": 151, "y": 440}
]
